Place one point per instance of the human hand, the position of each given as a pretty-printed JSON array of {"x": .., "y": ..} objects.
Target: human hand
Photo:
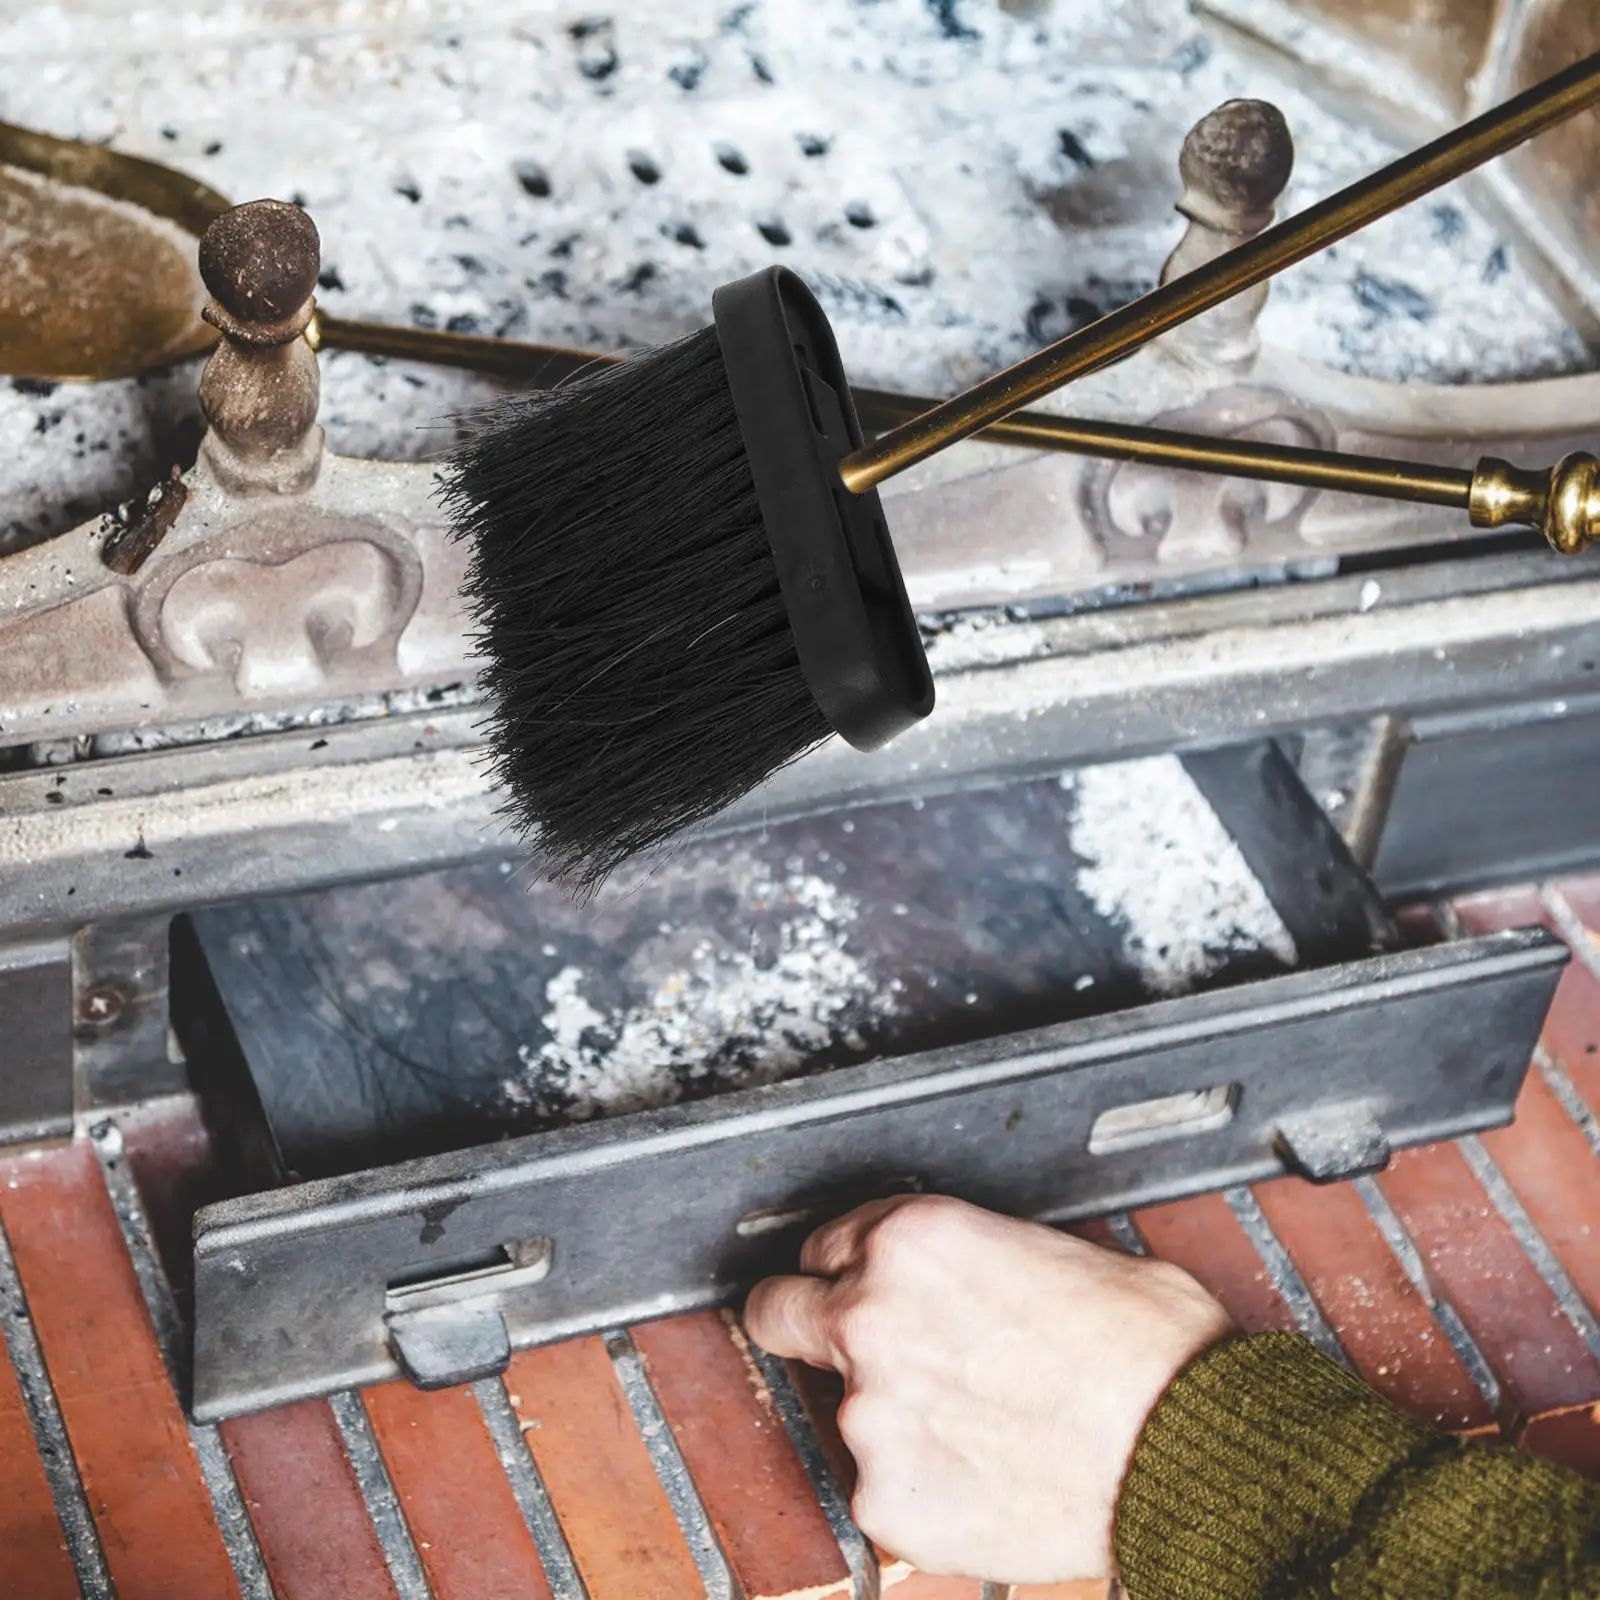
[{"x": 997, "y": 1375}]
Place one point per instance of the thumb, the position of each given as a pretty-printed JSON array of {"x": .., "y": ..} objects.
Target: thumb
[{"x": 787, "y": 1317}]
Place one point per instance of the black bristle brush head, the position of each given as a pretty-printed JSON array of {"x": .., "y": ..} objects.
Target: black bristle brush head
[{"x": 674, "y": 594}]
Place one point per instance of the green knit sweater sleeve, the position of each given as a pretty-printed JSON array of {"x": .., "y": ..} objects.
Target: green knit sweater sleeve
[{"x": 1267, "y": 1472}]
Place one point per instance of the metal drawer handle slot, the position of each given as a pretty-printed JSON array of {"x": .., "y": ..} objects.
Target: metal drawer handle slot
[
  {"x": 782, "y": 1219},
  {"x": 509, "y": 1266},
  {"x": 1173, "y": 1116}
]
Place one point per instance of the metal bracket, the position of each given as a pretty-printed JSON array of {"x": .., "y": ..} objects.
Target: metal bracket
[
  {"x": 1497, "y": 794},
  {"x": 449, "y": 1329},
  {"x": 1331, "y": 1146},
  {"x": 1353, "y": 772},
  {"x": 294, "y": 1288},
  {"x": 122, "y": 1040},
  {"x": 442, "y": 1346},
  {"x": 35, "y": 1040},
  {"x": 1319, "y": 889}
]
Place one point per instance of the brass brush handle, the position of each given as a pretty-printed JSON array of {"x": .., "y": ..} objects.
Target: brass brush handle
[{"x": 1563, "y": 504}]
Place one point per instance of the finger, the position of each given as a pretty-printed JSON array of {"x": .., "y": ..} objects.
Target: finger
[
  {"x": 836, "y": 1246},
  {"x": 787, "y": 1317}
]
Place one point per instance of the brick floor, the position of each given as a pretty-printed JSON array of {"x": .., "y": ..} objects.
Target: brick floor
[{"x": 1464, "y": 1283}]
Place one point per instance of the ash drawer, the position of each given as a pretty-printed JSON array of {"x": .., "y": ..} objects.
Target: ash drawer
[{"x": 1274, "y": 1028}]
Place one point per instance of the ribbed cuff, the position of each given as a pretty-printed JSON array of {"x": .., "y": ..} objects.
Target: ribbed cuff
[{"x": 1253, "y": 1465}]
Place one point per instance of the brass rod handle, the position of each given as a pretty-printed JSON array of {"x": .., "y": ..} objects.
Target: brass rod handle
[
  {"x": 542, "y": 364},
  {"x": 546, "y": 365},
  {"x": 1191, "y": 452},
  {"x": 1564, "y": 505},
  {"x": 1122, "y": 332}
]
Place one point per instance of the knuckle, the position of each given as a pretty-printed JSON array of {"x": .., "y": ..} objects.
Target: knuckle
[
  {"x": 912, "y": 1230},
  {"x": 820, "y": 1252},
  {"x": 870, "y": 1427},
  {"x": 1160, "y": 1274},
  {"x": 857, "y": 1328}
]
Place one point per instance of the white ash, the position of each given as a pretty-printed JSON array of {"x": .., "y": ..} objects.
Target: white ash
[
  {"x": 984, "y": 639},
  {"x": 979, "y": 181},
  {"x": 1160, "y": 865},
  {"x": 330, "y": 714},
  {"x": 753, "y": 1013}
]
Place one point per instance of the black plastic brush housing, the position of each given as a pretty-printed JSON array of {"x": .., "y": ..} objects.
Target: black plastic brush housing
[
  {"x": 855, "y": 634},
  {"x": 675, "y": 595}
]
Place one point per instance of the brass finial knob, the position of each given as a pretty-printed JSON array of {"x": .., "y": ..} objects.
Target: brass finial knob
[
  {"x": 1563, "y": 503},
  {"x": 1235, "y": 165},
  {"x": 260, "y": 388},
  {"x": 1572, "y": 514},
  {"x": 261, "y": 260}
]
